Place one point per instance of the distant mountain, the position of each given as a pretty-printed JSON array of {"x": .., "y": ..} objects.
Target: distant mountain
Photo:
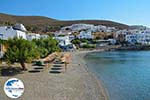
[
  {"x": 138, "y": 27},
  {"x": 42, "y": 24}
]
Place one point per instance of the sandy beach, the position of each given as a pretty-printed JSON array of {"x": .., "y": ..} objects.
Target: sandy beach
[{"x": 77, "y": 83}]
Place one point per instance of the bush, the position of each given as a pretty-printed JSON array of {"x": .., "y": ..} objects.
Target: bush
[
  {"x": 20, "y": 50},
  {"x": 42, "y": 52},
  {"x": 39, "y": 63},
  {"x": 76, "y": 41},
  {"x": 46, "y": 46},
  {"x": 84, "y": 41}
]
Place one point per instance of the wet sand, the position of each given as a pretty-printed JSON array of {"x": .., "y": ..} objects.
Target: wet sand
[{"x": 77, "y": 83}]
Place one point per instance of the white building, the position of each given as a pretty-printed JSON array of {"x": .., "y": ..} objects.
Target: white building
[
  {"x": 63, "y": 40},
  {"x": 131, "y": 38},
  {"x": 142, "y": 38},
  {"x": 85, "y": 35},
  {"x": 31, "y": 36},
  {"x": 44, "y": 36},
  {"x": 78, "y": 27},
  {"x": 20, "y": 27},
  {"x": 62, "y": 32},
  {"x": 91, "y": 27},
  {"x": 7, "y": 32},
  {"x": 71, "y": 37},
  {"x": 112, "y": 41}
]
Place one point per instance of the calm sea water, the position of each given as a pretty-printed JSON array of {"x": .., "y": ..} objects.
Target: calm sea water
[{"x": 125, "y": 74}]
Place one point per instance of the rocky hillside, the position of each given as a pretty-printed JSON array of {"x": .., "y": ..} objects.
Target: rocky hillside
[{"x": 42, "y": 24}]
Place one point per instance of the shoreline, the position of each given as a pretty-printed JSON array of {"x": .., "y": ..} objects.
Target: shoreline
[{"x": 81, "y": 55}]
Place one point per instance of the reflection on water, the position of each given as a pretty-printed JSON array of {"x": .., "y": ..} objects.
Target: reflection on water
[{"x": 126, "y": 74}]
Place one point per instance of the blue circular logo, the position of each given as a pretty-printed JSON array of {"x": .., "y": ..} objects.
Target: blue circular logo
[{"x": 14, "y": 88}]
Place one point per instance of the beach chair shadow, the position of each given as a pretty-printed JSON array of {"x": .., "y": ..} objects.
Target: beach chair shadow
[
  {"x": 55, "y": 72},
  {"x": 56, "y": 68},
  {"x": 34, "y": 71}
]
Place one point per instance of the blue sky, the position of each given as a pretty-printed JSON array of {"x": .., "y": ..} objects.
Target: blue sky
[{"x": 125, "y": 11}]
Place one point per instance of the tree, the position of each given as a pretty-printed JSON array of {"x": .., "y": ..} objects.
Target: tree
[
  {"x": 20, "y": 50},
  {"x": 8, "y": 23},
  {"x": 76, "y": 41},
  {"x": 51, "y": 45},
  {"x": 46, "y": 46}
]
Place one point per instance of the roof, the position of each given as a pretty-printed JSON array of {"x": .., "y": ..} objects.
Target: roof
[{"x": 20, "y": 27}]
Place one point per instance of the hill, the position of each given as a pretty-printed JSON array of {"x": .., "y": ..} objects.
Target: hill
[
  {"x": 42, "y": 24},
  {"x": 140, "y": 27}
]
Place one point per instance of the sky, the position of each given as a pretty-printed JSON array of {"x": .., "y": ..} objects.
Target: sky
[{"x": 131, "y": 12}]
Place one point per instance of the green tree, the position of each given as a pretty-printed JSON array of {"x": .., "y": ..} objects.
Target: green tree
[
  {"x": 76, "y": 41},
  {"x": 20, "y": 50},
  {"x": 46, "y": 46},
  {"x": 51, "y": 45},
  {"x": 8, "y": 23},
  {"x": 84, "y": 41}
]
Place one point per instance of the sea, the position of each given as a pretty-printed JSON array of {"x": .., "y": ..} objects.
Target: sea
[{"x": 125, "y": 74}]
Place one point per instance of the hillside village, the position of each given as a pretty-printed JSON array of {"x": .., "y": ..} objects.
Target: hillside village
[
  {"x": 94, "y": 35},
  {"x": 139, "y": 35}
]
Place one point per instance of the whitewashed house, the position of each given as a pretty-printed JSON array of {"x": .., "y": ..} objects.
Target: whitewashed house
[
  {"x": 85, "y": 35},
  {"x": 131, "y": 38},
  {"x": 44, "y": 36},
  {"x": 78, "y": 27},
  {"x": 7, "y": 32},
  {"x": 71, "y": 37},
  {"x": 63, "y": 40},
  {"x": 31, "y": 36},
  {"x": 112, "y": 41},
  {"x": 20, "y": 27},
  {"x": 142, "y": 38},
  {"x": 65, "y": 43},
  {"x": 62, "y": 33}
]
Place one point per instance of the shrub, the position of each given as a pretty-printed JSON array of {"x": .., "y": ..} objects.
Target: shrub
[
  {"x": 76, "y": 41},
  {"x": 46, "y": 46},
  {"x": 20, "y": 50}
]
